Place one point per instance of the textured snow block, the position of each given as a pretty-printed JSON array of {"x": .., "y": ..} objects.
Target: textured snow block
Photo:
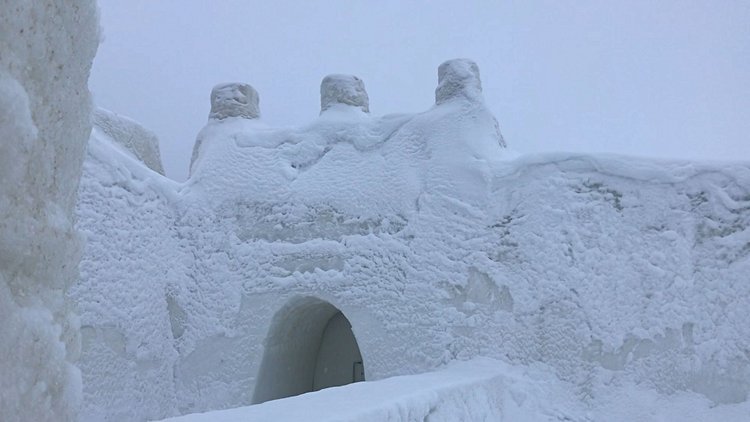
[
  {"x": 343, "y": 89},
  {"x": 234, "y": 100},
  {"x": 46, "y": 50},
  {"x": 136, "y": 139},
  {"x": 458, "y": 78}
]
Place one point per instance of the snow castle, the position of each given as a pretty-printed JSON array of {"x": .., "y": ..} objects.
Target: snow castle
[
  {"x": 360, "y": 247},
  {"x": 538, "y": 287}
]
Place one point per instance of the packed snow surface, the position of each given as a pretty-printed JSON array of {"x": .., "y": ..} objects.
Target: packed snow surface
[
  {"x": 623, "y": 279},
  {"x": 46, "y": 49},
  {"x": 479, "y": 390}
]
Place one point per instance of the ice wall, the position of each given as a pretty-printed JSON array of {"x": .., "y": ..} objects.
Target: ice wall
[
  {"x": 432, "y": 240},
  {"x": 46, "y": 49}
]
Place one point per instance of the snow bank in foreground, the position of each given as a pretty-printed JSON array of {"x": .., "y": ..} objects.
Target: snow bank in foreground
[
  {"x": 46, "y": 49},
  {"x": 479, "y": 390},
  {"x": 470, "y": 391}
]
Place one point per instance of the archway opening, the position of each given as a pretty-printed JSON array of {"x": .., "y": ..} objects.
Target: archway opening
[{"x": 310, "y": 346}]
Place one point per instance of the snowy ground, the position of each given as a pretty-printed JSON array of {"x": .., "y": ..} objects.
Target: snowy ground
[{"x": 479, "y": 390}]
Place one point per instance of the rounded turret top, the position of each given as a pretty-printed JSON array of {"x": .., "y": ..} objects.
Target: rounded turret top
[
  {"x": 458, "y": 78},
  {"x": 234, "y": 100},
  {"x": 343, "y": 89}
]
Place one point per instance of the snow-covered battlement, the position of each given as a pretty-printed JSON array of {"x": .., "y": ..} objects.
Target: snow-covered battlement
[
  {"x": 404, "y": 242},
  {"x": 234, "y": 100},
  {"x": 345, "y": 90},
  {"x": 458, "y": 78}
]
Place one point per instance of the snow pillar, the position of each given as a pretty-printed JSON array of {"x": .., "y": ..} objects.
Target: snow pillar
[
  {"x": 458, "y": 78},
  {"x": 46, "y": 50},
  {"x": 234, "y": 100},
  {"x": 348, "y": 90}
]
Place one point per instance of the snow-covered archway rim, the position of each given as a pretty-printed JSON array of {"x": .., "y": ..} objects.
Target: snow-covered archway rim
[
  {"x": 291, "y": 346},
  {"x": 302, "y": 304}
]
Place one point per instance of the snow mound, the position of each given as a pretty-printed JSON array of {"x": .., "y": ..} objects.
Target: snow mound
[
  {"x": 46, "y": 52},
  {"x": 343, "y": 89},
  {"x": 137, "y": 140}
]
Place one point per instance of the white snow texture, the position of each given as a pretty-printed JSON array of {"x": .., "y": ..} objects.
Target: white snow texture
[
  {"x": 46, "y": 50},
  {"x": 127, "y": 133},
  {"x": 624, "y": 279},
  {"x": 478, "y": 390}
]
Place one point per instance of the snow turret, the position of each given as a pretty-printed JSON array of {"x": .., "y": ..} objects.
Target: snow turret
[
  {"x": 234, "y": 100},
  {"x": 458, "y": 78},
  {"x": 343, "y": 89}
]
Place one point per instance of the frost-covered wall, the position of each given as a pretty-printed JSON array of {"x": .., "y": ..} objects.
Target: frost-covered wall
[
  {"x": 434, "y": 242},
  {"x": 46, "y": 50}
]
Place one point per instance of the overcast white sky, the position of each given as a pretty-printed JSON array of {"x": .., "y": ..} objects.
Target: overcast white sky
[{"x": 655, "y": 78}]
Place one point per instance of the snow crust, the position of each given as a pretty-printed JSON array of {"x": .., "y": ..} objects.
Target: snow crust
[
  {"x": 137, "y": 140},
  {"x": 625, "y": 278},
  {"x": 46, "y": 52}
]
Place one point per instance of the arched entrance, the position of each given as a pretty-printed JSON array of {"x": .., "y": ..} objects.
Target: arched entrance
[{"x": 310, "y": 346}]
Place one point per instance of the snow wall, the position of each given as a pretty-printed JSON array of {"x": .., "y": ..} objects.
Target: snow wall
[
  {"x": 46, "y": 51},
  {"x": 434, "y": 241}
]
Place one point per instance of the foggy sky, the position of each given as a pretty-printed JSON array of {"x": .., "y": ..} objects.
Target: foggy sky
[{"x": 662, "y": 79}]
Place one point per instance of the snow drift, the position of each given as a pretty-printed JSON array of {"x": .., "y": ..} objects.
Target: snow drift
[
  {"x": 46, "y": 52},
  {"x": 435, "y": 242}
]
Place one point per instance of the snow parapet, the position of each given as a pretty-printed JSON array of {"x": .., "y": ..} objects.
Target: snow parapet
[
  {"x": 47, "y": 48},
  {"x": 347, "y": 90},
  {"x": 234, "y": 100},
  {"x": 129, "y": 134}
]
